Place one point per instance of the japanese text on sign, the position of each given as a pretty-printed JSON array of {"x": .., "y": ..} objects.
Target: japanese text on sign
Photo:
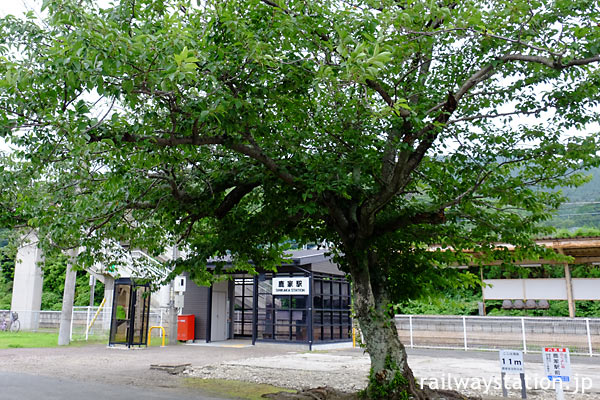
[
  {"x": 511, "y": 361},
  {"x": 291, "y": 285},
  {"x": 557, "y": 363}
]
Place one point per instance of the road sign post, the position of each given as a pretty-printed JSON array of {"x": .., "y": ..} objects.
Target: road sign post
[{"x": 511, "y": 362}]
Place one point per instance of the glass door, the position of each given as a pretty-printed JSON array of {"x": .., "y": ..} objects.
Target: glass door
[
  {"x": 119, "y": 332},
  {"x": 243, "y": 307},
  {"x": 130, "y": 313}
]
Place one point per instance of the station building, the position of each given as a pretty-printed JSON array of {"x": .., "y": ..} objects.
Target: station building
[{"x": 306, "y": 301}]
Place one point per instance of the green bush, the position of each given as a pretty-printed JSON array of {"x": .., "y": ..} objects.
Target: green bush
[
  {"x": 51, "y": 301},
  {"x": 5, "y": 294}
]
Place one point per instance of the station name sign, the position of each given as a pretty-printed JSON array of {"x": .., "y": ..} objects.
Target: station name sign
[{"x": 291, "y": 285}]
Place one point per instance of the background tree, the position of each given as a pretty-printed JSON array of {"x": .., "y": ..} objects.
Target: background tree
[{"x": 381, "y": 127}]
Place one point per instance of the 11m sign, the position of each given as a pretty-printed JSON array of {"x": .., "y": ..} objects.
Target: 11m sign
[{"x": 291, "y": 285}]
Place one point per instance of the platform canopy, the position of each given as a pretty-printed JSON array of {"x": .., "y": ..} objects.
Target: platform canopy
[{"x": 584, "y": 250}]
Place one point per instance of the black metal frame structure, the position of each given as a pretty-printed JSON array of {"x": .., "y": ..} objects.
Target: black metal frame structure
[
  {"x": 331, "y": 308},
  {"x": 320, "y": 317},
  {"x": 130, "y": 313},
  {"x": 243, "y": 307}
]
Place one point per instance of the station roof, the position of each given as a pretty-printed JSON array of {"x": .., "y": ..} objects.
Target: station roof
[
  {"x": 584, "y": 250},
  {"x": 316, "y": 260}
]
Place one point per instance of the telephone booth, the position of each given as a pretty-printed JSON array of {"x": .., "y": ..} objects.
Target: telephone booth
[{"x": 130, "y": 313}]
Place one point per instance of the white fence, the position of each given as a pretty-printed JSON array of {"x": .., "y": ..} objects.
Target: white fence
[
  {"x": 530, "y": 334},
  {"x": 82, "y": 327}
]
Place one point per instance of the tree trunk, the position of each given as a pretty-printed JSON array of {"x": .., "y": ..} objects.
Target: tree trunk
[
  {"x": 66, "y": 314},
  {"x": 390, "y": 376}
]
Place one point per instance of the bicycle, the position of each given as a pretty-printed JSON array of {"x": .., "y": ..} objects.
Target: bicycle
[{"x": 12, "y": 324}]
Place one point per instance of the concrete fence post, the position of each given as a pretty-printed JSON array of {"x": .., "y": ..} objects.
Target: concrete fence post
[
  {"x": 87, "y": 322},
  {"x": 161, "y": 322},
  {"x": 589, "y": 336},
  {"x": 524, "y": 336},
  {"x": 410, "y": 326},
  {"x": 464, "y": 320},
  {"x": 70, "y": 325}
]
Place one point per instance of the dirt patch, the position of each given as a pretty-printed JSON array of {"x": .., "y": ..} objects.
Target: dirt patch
[
  {"x": 321, "y": 393},
  {"x": 236, "y": 389}
]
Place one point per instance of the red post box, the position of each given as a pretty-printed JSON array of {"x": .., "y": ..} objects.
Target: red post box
[{"x": 185, "y": 327}]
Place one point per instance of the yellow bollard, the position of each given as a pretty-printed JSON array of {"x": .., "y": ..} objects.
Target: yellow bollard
[
  {"x": 150, "y": 333},
  {"x": 353, "y": 337}
]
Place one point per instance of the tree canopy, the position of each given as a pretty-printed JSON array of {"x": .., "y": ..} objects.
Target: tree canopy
[{"x": 381, "y": 127}]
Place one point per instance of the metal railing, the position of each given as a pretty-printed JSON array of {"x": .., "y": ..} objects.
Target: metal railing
[
  {"x": 81, "y": 321},
  {"x": 530, "y": 334}
]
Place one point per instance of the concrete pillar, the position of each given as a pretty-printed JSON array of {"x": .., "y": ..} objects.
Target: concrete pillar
[
  {"x": 109, "y": 290},
  {"x": 66, "y": 314},
  {"x": 28, "y": 283},
  {"x": 172, "y": 333}
]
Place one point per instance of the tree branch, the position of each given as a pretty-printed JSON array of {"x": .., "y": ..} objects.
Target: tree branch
[
  {"x": 408, "y": 161},
  {"x": 496, "y": 115},
  {"x": 385, "y": 96},
  {"x": 255, "y": 152},
  {"x": 233, "y": 198},
  {"x": 96, "y": 125},
  {"x": 549, "y": 62},
  {"x": 166, "y": 142},
  {"x": 430, "y": 217}
]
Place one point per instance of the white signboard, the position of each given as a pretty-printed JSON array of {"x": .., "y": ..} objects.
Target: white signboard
[
  {"x": 557, "y": 363},
  {"x": 511, "y": 362},
  {"x": 291, "y": 285},
  {"x": 180, "y": 283}
]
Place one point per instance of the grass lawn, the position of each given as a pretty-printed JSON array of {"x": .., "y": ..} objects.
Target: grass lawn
[
  {"x": 235, "y": 389},
  {"x": 38, "y": 339}
]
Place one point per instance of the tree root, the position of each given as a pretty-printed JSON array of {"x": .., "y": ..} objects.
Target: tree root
[
  {"x": 327, "y": 393},
  {"x": 320, "y": 393},
  {"x": 440, "y": 394}
]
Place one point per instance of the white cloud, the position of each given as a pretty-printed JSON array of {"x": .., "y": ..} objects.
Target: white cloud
[{"x": 18, "y": 7}]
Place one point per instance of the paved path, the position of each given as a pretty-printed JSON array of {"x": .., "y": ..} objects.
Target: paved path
[
  {"x": 20, "y": 386},
  {"x": 127, "y": 369}
]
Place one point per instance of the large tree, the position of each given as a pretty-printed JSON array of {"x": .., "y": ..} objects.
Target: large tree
[{"x": 380, "y": 127}]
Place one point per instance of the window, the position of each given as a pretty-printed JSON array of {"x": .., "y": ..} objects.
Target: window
[
  {"x": 243, "y": 307},
  {"x": 281, "y": 317},
  {"x": 331, "y": 313},
  {"x": 287, "y": 318}
]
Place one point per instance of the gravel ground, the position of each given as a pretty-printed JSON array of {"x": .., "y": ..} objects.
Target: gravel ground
[
  {"x": 346, "y": 381},
  {"x": 346, "y": 370}
]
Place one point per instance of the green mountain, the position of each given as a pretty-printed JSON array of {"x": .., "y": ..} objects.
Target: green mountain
[{"x": 583, "y": 208}]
